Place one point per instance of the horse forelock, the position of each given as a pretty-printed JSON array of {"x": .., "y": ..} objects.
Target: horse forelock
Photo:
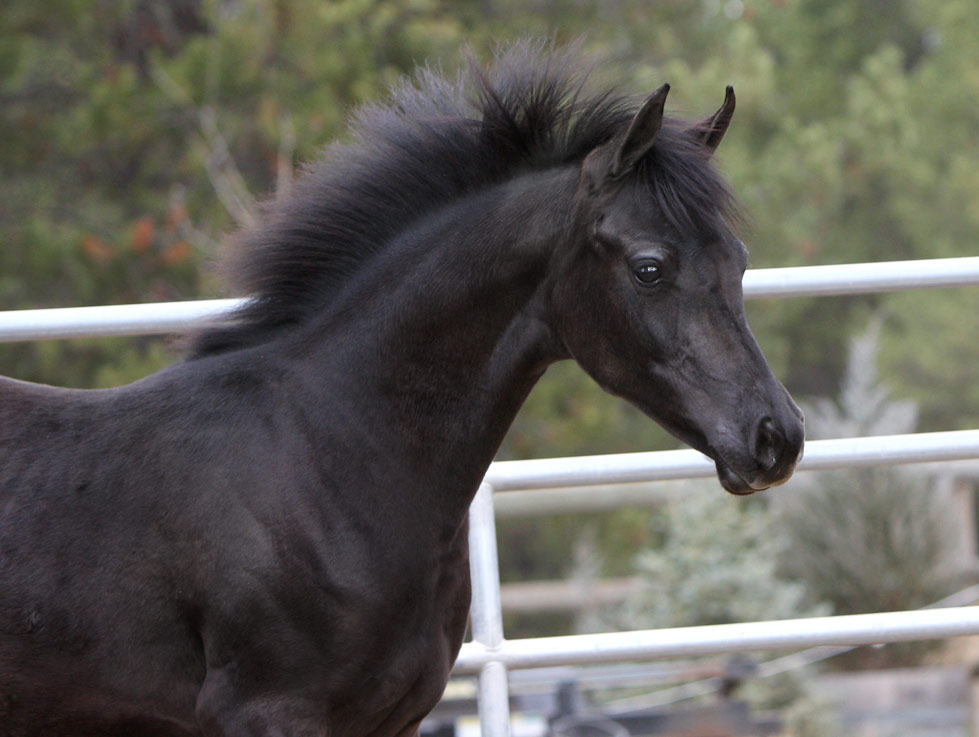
[{"x": 435, "y": 140}]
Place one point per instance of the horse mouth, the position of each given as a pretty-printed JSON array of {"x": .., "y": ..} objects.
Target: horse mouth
[
  {"x": 734, "y": 483},
  {"x": 731, "y": 480}
]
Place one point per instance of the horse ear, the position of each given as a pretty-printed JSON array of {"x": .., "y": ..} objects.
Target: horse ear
[
  {"x": 642, "y": 131},
  {"x": 712, "y": 130}
]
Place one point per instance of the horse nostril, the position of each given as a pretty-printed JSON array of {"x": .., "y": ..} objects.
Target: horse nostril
[{"x": 768, "y": 443}]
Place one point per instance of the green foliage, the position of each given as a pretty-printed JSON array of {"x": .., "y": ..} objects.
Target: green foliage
[
  {"x": 715, "y": 560},
  {"x": 135, "y": 134},
  {"x": 717, "y": 564},
  {"x": 869, "y": 540},
  {"x": 929, "y": 354},
  {"x": 874, "y": 539}
]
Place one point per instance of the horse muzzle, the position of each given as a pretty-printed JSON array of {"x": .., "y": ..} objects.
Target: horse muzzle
[{"x": 774, "y": 449}]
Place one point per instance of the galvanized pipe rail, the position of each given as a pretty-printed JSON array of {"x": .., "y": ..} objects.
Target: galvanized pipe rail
[
  {"x": 486, "y": 613},
  {"x": 622, "y": 468},
  {"x": 884, "y": 276},
  {"x": 151, "y": 318},
  {"x": 720, "y": 639},
  {"x": 172, "y": 317}
]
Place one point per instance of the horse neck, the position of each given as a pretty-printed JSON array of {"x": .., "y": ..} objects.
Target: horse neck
[{"x": 442, "y": 337}]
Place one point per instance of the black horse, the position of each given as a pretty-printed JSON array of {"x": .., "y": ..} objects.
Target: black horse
[{"x": 269, "y": 538}]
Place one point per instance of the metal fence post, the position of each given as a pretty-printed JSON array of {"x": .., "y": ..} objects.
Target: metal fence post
[{"x": 487, "y": 615}]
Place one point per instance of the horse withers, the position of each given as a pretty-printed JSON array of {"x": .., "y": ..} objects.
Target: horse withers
[{"x": 269, "y": 538}]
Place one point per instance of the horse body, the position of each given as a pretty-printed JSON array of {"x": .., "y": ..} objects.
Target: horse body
[
  {"x": 187, "y": 554},
  {"x": 226, "y": 491},
  {"x": 270, "y": 538}
]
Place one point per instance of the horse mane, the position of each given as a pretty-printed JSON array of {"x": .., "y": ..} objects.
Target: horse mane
[{"x": 435, "y": 140}]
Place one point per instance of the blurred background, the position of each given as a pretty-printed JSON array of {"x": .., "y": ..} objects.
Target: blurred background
[{"x": 135, "y": 135}]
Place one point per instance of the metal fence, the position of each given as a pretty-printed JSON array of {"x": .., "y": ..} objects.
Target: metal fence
[{"x": 489, "y": 654}]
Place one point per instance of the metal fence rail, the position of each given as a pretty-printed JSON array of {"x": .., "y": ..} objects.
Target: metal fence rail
[
  {"x": 720, "y": 639},
  {"x": 153, "y": 318},
  {"x": 884, "y": 276},
  {"x": 489, "y": 654},
  {"x": 171, "y": 317},
  {"x": 664, "y": 465}
]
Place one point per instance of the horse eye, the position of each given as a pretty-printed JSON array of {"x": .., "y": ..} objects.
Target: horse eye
[{"x": 647, "y": 272}]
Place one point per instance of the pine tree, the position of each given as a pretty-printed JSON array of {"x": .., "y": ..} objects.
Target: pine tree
[{"x": 875, "y": 539}]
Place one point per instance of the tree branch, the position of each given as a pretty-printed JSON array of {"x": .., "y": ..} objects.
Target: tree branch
[{"x": 221, "y": 169}]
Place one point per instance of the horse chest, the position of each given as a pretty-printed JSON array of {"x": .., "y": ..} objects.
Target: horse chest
[
  {"x": 415, "y": 617},
  {"x": 371, "y": 641},
  {"x": 416, "y": 640}
]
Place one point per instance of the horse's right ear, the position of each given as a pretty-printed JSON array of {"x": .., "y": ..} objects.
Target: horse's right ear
[
  {"x": 616, "y": 158},
  {"x": 641, "y": 134}
]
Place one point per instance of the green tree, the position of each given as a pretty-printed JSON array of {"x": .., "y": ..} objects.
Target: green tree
[
  {"x": 874, "y": 539},
  {"x": 135, "y": 134},
  {"x": 718, "y": 563}
]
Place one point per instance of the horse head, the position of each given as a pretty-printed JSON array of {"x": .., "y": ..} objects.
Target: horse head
[{"x": 649, "y": 298}]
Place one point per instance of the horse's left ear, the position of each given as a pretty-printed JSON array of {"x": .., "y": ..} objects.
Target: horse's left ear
[
  {"x": 640, "y": 135},
  {"x": 712, "y": 130}
]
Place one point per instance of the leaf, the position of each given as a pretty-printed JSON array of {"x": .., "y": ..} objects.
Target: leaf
[
  {"x": 141, "y": 234},
  {"x": 97, "y": 249}
]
